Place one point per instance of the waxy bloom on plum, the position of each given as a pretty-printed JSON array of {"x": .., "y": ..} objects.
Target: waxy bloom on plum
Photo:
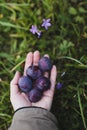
[
  {"x": 34, "y": 95},
  {"x": 45, "y": 64},
  {"x": 25, "y": 84},
  {"x": 33, "y": 72},
  {"x": 42, "y": 83}
]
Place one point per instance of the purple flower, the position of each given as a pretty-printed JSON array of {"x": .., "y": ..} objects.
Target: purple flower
[
  {"x": 59, "y": 85},
  {"x": 46, "y": 23},
  {"x": 34, "y": 29}
]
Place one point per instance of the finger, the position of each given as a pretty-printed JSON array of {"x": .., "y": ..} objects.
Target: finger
[
  {"x": 50, "y": 92},
  {"x": 53, "y": 77},
  {"x": 48, "y": 95},
  {"x": 13, "y": 85},
  {"x": 36, "y": 58},
  {"x": 46, "y": 74},
  {"x": 28, "y": 62}
]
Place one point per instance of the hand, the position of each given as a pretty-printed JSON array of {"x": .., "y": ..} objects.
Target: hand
[{"x": 20, "y": 99}]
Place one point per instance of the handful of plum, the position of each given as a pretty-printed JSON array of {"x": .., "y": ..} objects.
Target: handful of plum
[{"x": 35, "y": 83}]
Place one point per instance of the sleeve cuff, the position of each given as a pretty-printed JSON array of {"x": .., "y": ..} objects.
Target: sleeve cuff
[
  {"x": 34, "y": 112},
  {"x": 28, "y": 107}
]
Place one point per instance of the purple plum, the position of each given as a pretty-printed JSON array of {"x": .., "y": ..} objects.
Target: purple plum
[
  {"x": 42, "y": 83},
  {"x": 34, "y": 95},
  {"x": 45, "y": 64},
  {"x": 34, "y": 72},
  {"x": 25, "y": 84}
]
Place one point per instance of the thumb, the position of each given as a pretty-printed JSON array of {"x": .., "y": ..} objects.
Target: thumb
[{"x": 14, "y": 84}]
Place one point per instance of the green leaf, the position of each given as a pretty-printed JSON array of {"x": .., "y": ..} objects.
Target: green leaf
[
  {"x": 65, "y": 46},
  {"x": 82, "y": 10},
  {"x": 79, "y": 19},
  {"x": 72, "y": 11}
]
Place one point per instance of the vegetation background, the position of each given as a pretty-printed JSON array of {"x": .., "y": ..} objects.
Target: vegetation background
[{"x": 66, "y": 43}]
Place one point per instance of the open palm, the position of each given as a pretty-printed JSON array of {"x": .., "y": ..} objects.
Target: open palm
[{"x": 20, "y": 99}]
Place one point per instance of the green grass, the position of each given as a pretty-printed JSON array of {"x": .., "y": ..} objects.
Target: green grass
[{"x": 66, "y": 43}]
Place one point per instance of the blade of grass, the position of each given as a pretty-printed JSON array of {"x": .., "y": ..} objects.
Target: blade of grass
[
  {"x": 14, "y": 68},
  {"x": 14, "y": 4},
  {"x": 11, "y": 25},
  {"x": 4, "y": 115},
  {"x": 5, "y": 68},
  {"x": 70, "y": 58},
  {"x": 79, "y": 66},
  {"x": 81, "y": 109}
]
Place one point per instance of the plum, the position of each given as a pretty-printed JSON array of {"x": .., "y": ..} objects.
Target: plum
[
  {"x": 34, "y": 72},
  {"x": 42, "y": 83},
  {"x": 25, "y": 84},
  {"x": 45, "y": 64},
  {"x": 34, "y": 95}
]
